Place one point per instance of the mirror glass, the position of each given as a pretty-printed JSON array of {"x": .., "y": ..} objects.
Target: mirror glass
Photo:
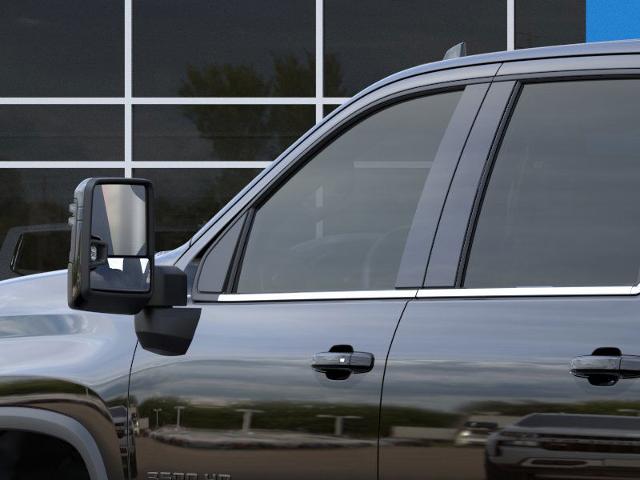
[
  {"x": 119, "y": 226},
  {"x": 119, "y": 219}
]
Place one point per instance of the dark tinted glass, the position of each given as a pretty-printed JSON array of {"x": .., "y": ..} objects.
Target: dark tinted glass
[
  {"x": 218, "y": 259},
  {"x": 41, "y": 249},
  {"x": 185, "y": 199},
  {"x": 341, "y": 222},
  {"x": 217, "y": 132},
  {"x": 327, "y": 109},
  {"x": 549, "y": 22},
  {"x": 366, "y": 40},
  {"x": 33, "y": 220},
  {"x": 69, "y": 48},
  {"x": 561, "y": 208},
  {"x": 231, "y": 48},
  {"x": 61, "y": 132}
]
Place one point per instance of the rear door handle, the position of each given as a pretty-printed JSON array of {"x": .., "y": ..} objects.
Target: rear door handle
[
  {"x": 605, "y": 366},
  {"x": 353, "y": 362}
]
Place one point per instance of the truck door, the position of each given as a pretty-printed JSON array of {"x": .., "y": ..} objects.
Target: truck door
[
  {"x": 299, "y": 304},
  {"x": 518, "y": 358}
]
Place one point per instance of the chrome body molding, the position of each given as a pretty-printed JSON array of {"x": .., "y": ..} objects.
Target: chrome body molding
[{"x": 433, "y": 293}]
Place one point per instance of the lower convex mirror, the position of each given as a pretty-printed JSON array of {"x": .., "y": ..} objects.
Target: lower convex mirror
[{"x": 111, "y": 255}]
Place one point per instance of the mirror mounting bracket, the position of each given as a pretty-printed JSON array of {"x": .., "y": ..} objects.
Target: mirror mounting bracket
[
  {"x": 112, "y": 264},
  {"x": 160, "y": 328},
  {"x": 170, "y": 287},
  {"x": 165, "y": 330}
]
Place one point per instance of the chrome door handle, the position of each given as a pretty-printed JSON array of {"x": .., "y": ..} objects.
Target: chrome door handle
[
  {"x": 353, "y": 362},
  {"x": 586, "y": 365},
  {"x": 605, "y": 366}
]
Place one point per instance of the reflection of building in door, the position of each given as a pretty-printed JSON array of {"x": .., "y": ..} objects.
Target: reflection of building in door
[{"x": 338, "y": 425}]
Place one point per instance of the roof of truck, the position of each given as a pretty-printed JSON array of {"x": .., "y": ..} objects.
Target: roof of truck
[{"x": 575, "y": 50}]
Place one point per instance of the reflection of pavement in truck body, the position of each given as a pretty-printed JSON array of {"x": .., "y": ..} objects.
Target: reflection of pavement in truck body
[
  {"x": 255, "y": 439},
  {"x": 557, "y": 445},
  {"x": 328, "y": 462}
]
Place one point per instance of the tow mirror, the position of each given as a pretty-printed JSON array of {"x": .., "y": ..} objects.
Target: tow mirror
[
  {"x": 111, "y": 256},
  {"x": 111, "y": 264}
]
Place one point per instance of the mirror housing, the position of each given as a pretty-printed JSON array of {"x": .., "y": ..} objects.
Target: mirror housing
[
  {"x": 111, "y": 259},
  {"x": 111, "y": 264}
]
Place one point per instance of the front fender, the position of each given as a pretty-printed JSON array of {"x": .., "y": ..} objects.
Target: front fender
[
  {"x": 69, "y": 362},
  {"x": 70, "y": 412}
]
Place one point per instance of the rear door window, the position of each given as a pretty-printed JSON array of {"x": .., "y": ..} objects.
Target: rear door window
[{"x": 561, "y": 207}]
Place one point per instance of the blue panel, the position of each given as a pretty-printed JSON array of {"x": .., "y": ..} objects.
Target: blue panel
[{"x": 612, "y": 19}]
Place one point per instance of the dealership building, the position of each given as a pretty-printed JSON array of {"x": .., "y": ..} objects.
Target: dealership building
[{"x": 200, "y": 95}]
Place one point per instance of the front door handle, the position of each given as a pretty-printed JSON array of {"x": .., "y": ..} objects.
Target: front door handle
[
  {"x": 350, "y": 362},
  {"x": 605, "y": 366}
]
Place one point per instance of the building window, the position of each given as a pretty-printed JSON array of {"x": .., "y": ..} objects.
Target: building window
[
  {"x": 73, "y": 48},
  {"x": 367, "y": 40},
  {"x": 226, "y": 48},
  {"x": 549, "y": 22}
]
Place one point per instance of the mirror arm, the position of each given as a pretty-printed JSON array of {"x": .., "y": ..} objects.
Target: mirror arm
[
  {"x": 160, "y": 328},
  {"x": 169, "y": 287},
  {"x": 165, "y": 330}
]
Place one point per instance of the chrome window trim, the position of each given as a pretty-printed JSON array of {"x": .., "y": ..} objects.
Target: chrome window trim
[
  {"x": 527, "y": 292},
  {"x": 344, "y": 295},
  {"x": 434, "y": 293}
]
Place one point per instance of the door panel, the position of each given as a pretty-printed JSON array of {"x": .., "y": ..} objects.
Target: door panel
[
  {"x": 255, "y": 359},
  {"x": 471, "y": 379}
]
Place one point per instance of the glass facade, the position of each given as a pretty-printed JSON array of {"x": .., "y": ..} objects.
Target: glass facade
[
  {"x": 73, "y": 48},
  {"x": 33, "y": 219},
  {"x": 49, "y": 133},
  {"x": 236, "y": 48},
  {"x": 217, "y": 132},
  {"x": 366, "y": 40},
  {"x": 186, "y": 198},
  {"x": 549, "y": 22},
  {"x": 199, "y": 96}
]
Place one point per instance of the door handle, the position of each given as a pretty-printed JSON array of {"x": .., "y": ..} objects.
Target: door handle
[
  {"x": 605, "y": 366},
  {"x": 349, "y": 362}
]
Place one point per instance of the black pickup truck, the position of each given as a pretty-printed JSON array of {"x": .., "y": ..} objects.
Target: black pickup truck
[{"x": 438, "y": 281}]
